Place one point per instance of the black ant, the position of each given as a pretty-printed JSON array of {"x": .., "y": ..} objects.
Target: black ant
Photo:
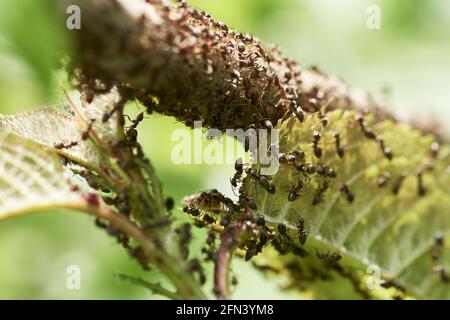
[
  {"x": 339, "y": 149},
  {"x": 318, "y": 196},
  {"x": 239, "y": 169},
  {"x": 185, "y": 236},
  {"x": 138, "y": 120},
  {"x": 438, "y": 244},
  {"x": 421, "y": 190},
  {"x": 252, "y": 250},
  {"x": 316, "y": 140},
  {"x": 294, "y": 193},
  {"x": 208, "y": 219},
  {"x": 195, "y": 266},
  {"x": 302, "y": 234},
  {"x": 299, "y": 251},
  {"x": 283, "y": 231},
  {"x": 280, "y": 247},
  {"x": 323, "y": 119},
  {"x": 195, "y": 212},
  {"x": 348, "y": 194},
  {"x": 392, "y": 283},
  {"x": 329, "y": 258},
  {"x": 367, "y": 131},
  {"x": 265, "y": 183},
  {"x": 398, "y": 184},
  {"x": 61, "y": 145}
]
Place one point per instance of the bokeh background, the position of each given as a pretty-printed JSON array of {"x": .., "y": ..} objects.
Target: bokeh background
[{"x": 406, "y": 64}]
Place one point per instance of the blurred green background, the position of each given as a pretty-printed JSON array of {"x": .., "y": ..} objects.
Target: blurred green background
[{"x": 407, "y": 63}]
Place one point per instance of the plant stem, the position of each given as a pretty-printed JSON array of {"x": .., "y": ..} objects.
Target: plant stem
[{"x": 186, "y": 285}]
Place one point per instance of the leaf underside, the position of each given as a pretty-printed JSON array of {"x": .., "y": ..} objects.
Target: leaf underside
[
  {"x": 393, "y": 231},
  {"x": 32, "y": 178}
]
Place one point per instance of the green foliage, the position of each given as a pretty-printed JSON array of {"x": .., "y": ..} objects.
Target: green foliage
[
  {"x": 33, "y": 34},
  {"x": 378, "y": 227},
  {"x": 31, "y": 178}
]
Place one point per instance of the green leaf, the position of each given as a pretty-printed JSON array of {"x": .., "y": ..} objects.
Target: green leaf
[
  {"x": 32, "y": 178},
  {"x": 393, "y": 231},
  {"x": 36, "y": 40},
  {"x": 49, "y": 127}
]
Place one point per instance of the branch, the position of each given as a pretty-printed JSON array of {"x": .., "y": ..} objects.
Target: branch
[{"x": 197, "y": 68}]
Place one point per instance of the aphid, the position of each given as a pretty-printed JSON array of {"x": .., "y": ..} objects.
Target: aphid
[
  {"x": 263, "y": 239},
  {"x": 439, "y": 239},
  {"x": 208, "y": 219},
  {"x": 392, "y": 283},
  {"x": 226, "y": 220},
  {"x": 317, "y": 151},
  {"x": 321, "y": 170},
  {"x": 211, "y": 238},
  {"x": 299, "y": 251},
  {"x": 434, "y": 149},
  {"x": 319, "y": 193},
  {"x": 283, "y": 159},
  {"x": 169, "y": 203},
  {"x": 280, "y": 247},
  {"x": 92, "y": 199},
  {"x": 260, "y": 221},
  {"x": 388, "y": 153},
  {"x": 348, "y": 194},
  {"x": 330, "y": 258},
  {"x": 195, "y": 266},
  {"x": 440, "y": 271},
  {"x": 294, "y": 193},
  {"x": 234, "y": 281},
  {"x": 398, "y": 184},
  {"x": 383, "y": 179},
  {"x": 195, "y": 212},
  {"x": 252, "y": 250},
  {"x": 299, "y": 155},
  {"x": 331, "y": 173},
  {"x": 250, "y": 203},
  {"x": 323, "y": 119},
  {"x": 310, "y": 169},
  {"x": 421, "y": 190},
  {"x": 339, "y": 148}
]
